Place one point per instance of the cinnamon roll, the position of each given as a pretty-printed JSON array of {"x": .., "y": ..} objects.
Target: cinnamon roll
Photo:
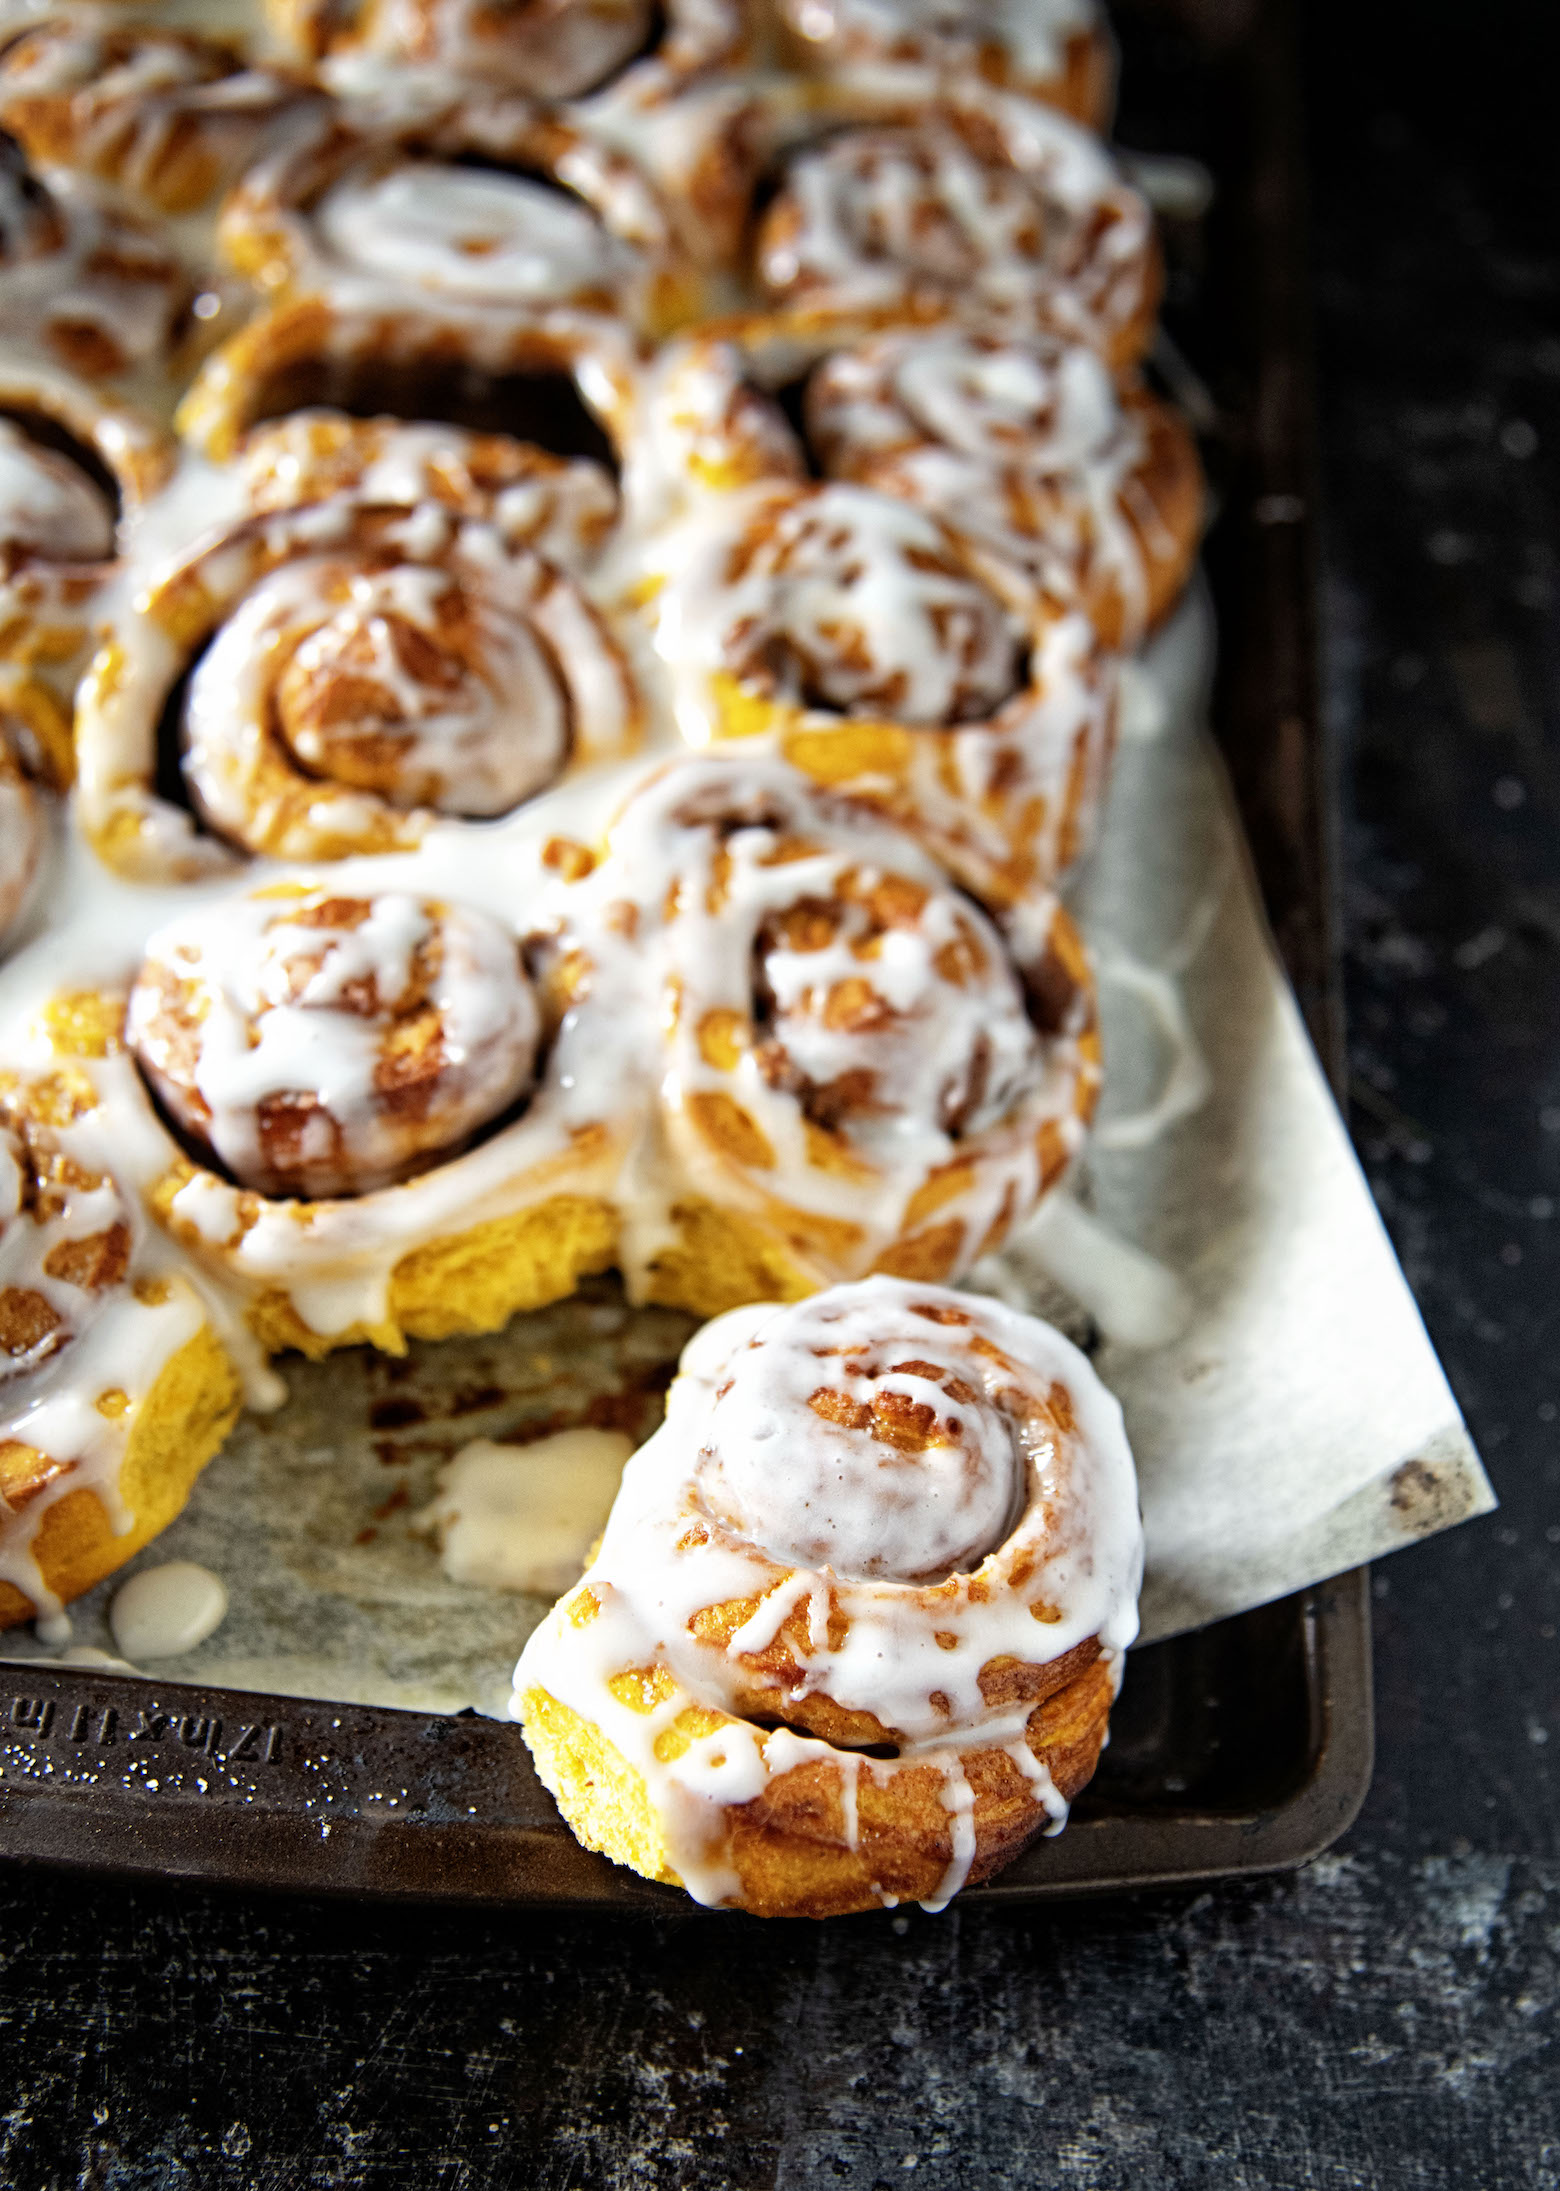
[
  {"x": 168, "y": 116},
  {"x": 487, "y": 206},
  {"x": 895, "y": 660},
  {"x": 855, "y": 1626},
  {"x": 857, "y": 1069},
  {"x": 95, "y": 291},
  {"x": 999, "y": 212},
  {"x": 1030, "y": 446},
  {"x": 340, "y": 675},
  {"x": 115, "y": 1389},
  {"x": 390, "y": 1114},
  {"x": 1057, "y": 51}
]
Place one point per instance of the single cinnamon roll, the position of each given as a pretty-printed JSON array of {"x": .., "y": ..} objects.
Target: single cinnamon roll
[
  {"x": 554, "y": 49},
  {"x": 397, "y": 1116},
  {"x": 892, "y": 659},
  {"x": 114, "y": 1389},
  {"x": 487, "y": 206},
  {"x": 858, "y": 1071},
  {"x": 998, "y": 212},
  {"x": 1057, "y": 51},
  {"x": 1030, "y": 446},
  {"x": 94, "y": 290},
  {"x": 313, "y": 1044},
  {"x": 169, "y": 116},
  {"x": 342, "y": 674},
  {"x": 855, "y": 1626}
]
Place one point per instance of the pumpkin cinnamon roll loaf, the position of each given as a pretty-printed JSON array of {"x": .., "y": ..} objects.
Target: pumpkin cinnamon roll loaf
[
  {"x": 855, "y": 1068},
  {"x": 855, "y": 1626},
  {"x": 115, "y": 1388}
]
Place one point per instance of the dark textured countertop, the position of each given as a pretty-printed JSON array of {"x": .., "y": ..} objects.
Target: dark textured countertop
[{"x": 1389, "y": 2018}]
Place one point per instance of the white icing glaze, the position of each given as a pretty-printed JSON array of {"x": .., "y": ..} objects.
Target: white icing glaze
[
  {"x": 470, "y": 231},
  {"x": 93, "y": 288},
  {"x": 162, "y": 1611},
  {"x": 323, "y": 1045},
  {"x": 1036, "y": 1492},
  {"x": 510, "y": 1517}
]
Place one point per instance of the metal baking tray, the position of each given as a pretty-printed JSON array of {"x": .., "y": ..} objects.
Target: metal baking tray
[{"x": 1244, "y": 1747}]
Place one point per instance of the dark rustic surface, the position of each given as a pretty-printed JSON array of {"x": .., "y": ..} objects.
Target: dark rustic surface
[{"x": 1388, "y": 2019}]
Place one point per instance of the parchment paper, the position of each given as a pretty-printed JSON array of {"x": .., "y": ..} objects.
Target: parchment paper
[{"x": 1220, "y": 1252}]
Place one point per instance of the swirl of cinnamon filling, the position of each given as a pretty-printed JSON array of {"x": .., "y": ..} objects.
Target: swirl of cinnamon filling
[
  {"x": 894, "y": 659},
  {"x": 319, "y": 1045},
  {"x": 169, "y": 116},
  {"x": 554, "y": 49},
  {"x": 365, "y": 668},
  {"x": 93, "y": 289},
  {"x": 1058, "y": 51},
  {"x": 857, "y": 1071},
  {"x": 858, "y": 1617},
  {"x": 1031, "y": 447},
  {"x": 1021, "y": 225}
]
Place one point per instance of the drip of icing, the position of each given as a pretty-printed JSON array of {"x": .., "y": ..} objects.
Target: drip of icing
[
  {"x": 163, "y": 1611},
  {"x": 524, "y": 1518},
  {"x": 1136, "y": 1300},
  {"x": 1187, "y": 1081}
]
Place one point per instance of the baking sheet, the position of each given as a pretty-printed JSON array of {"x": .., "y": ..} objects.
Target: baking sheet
[{"x": 1220, "y": 1250}]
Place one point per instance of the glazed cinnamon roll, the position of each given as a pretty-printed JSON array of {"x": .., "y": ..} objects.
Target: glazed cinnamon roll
[
  {"x": 115, "y": 1390},
  {"x": 893, "y": 659},
  {"x": 1000, "y": 213},
  {"x": 488, "y": 205},
  {"x": 390, "y": 1114},
  {"x": 93, "y": 290},
  {"x": 857, "y": 1070},
  {"x": 1058, "y": 51},
  {"x": 168, "y": 116},
  {"x": 342, "y": 674},
  {"x": 854, "y": 1629},
  {"x": 1029, "y": 446}
]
